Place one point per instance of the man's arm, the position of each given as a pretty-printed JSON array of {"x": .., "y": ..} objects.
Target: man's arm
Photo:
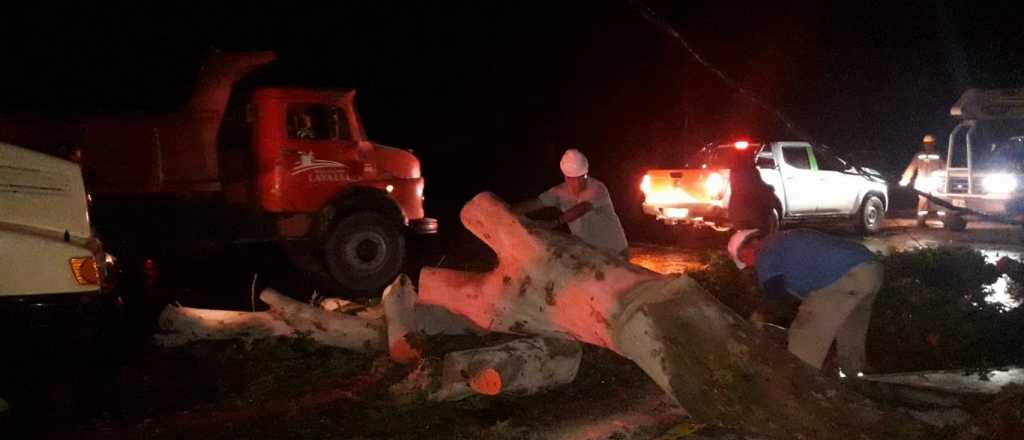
[
  {"x": 909, "y": 172},
  {"x": 528, "y": 206},
  {"x": 778, "y": 306},
  {"x": 576, "y": 212}
]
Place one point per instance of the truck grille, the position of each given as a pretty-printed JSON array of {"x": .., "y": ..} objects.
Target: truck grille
[{"x": 958, "y": 185}]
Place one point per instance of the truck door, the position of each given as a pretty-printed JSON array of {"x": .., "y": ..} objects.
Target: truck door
[
  {"x": 799, "y": 178},
  {"x": 769, "y": 170},
  {"x": 319, "y": 155},
  {"x": 839, "y": 184}
]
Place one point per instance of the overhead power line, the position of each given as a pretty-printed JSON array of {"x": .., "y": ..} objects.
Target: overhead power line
[{"x": 655, "y": 19}]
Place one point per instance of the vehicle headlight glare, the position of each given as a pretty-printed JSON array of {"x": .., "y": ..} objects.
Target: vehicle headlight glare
[{"x": 999, "y": 183}]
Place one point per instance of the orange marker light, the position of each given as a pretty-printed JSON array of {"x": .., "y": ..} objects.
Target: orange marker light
[{"x": 84, "y": 270}]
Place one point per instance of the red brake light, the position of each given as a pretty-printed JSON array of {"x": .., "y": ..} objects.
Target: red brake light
[{"x": 741, "y": 145}]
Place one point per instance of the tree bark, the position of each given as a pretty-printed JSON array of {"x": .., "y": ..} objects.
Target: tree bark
[
  {"x": 399, "y": 301},
  {"x": 711, "y": 361},
  {"x": 286, "y": 317}
]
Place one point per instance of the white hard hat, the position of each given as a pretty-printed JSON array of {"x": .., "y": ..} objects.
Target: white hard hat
[
  {"x": 574, "y": 163},
  {"x": 737, "y": 241},
  {"x": 928, "y": 139}
]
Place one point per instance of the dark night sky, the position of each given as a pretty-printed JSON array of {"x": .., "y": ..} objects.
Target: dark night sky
[{"x": 489, "y": 94}]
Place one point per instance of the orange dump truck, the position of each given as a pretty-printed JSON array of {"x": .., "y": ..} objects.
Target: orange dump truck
[{"x": 241, "y": 164}]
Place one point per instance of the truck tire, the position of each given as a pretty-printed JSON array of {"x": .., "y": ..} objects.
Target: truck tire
[
  {"x": 869, "y": 217},
  {"x": 954, "y": 223},
  {"x": 364, "y": 252}
]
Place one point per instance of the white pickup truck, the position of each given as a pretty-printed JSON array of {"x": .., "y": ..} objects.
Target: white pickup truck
[{"x": 809, "y": 183}]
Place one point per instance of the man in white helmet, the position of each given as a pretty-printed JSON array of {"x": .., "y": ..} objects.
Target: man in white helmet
[
  {"x": 925, "y": 164},
  {"x": 830, "y": 282},
  {"x": 585, "y": 204}
]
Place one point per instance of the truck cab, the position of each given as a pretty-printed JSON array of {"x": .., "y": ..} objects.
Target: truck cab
[
  {"x": 985, "y": 158},
  {"x": 809, "y": 183},
  {"x": 316, "y": 173},
  {"x": 309, "y": 144}
]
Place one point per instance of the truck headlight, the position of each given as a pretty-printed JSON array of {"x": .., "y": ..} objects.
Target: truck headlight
[{"x": 999, "y": 183}]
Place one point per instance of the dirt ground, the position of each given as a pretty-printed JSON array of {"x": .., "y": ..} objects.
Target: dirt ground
[
  {"x": 288, "y": 388},
  {"x": 293, "y": 388}
]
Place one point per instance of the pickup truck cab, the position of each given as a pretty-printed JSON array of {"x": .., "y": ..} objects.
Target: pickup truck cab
[{"x": 809, "y": 182}]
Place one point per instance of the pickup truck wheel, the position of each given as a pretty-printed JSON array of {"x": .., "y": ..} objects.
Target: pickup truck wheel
[
  {"x": 364, "y": 252},
  {"x": 869, "y": 219}
]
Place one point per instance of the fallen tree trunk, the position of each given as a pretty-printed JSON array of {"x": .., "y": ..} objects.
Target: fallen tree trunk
[
  {"x": 186, "y": 324},
  {"x": 286, "y": 317},
  {"x": 711, "y": 361},
  {"x": 520, "y": 367},
  {"x": 399, "y": 301}
]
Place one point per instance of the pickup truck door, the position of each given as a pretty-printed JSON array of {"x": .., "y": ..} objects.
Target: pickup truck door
[
  {"x": 839, "y": 188},
  {"x": 799, "y": 178},
  {"x": 769, "y": 170}
]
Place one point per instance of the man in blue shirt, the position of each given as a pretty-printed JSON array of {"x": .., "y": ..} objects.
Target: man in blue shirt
[{"x": 834, "y": 280}]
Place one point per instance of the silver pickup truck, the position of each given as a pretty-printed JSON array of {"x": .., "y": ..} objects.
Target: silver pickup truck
[{"x": 809, "y": 182}]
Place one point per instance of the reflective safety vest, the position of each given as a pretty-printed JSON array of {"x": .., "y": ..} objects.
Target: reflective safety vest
[{"x": 924, "y": 165}]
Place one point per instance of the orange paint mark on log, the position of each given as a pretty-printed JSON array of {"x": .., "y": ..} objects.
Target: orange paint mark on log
[
  {"x": 402, "y": 352},
  {"x": 486, "y": 382}
]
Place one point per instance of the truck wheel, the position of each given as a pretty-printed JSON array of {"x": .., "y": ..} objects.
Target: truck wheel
[
  {"x": 364, "y": 252},
  {"x": 869, "y": 218},
  {"x": 954, "y": 223}
]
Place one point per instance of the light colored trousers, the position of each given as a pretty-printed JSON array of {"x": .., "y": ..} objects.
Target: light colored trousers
[{"x": 840, "y": 312}]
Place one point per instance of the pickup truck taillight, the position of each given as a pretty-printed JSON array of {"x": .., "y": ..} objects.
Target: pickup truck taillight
[
  {"x": 645, "y": 184},
  {"x": 715, "y": 185}
]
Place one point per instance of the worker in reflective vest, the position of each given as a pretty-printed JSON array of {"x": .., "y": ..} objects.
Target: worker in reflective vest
[{"x": 922, "y": 171}]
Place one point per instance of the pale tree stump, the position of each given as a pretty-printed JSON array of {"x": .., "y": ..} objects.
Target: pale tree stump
[{"x": 711, "y": 361}]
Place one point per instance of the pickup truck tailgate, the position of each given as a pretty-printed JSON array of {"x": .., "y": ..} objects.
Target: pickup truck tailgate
[{"x": 681, "y": 187}]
